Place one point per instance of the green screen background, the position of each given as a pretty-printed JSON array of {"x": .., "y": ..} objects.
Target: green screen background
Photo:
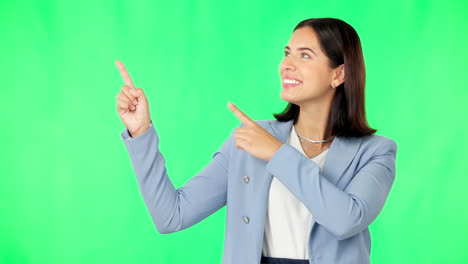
[{"x": 68, "y": 193}]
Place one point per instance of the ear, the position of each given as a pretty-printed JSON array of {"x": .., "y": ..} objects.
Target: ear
[{"x": 339, "y": 76}]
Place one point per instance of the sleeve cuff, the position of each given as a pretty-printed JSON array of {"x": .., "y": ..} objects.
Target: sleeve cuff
[
  {"x": 283, "y": 159},
  {"x": 139, "y": 144},
  {"x": 126, "y": 134}
]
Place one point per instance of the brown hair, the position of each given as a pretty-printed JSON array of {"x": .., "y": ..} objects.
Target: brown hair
[{"x": 341, "y": 44}]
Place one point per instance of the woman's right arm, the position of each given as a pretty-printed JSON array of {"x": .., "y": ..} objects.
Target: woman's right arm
[
  {"x": 176, "y": 209},
  {"x": 171, "y": 209}
]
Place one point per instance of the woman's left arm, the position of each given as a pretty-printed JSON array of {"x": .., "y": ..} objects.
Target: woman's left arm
[
  {"x": 347, "y": 212},
  {"x": 344, "y": 213}
]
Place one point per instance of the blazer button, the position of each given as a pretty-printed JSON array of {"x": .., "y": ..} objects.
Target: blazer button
[
  {"x": 246, "y": 219},
  {"x": 246, "y": 179}
]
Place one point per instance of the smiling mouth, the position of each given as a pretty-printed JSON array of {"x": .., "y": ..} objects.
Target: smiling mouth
[{"x": 290, "y": 83}]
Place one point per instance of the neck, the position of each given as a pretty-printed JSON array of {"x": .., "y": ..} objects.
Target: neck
[{"x": 312, "y": 122}]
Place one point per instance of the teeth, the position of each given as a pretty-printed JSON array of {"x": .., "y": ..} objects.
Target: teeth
[{"x": 289, "y": 81}]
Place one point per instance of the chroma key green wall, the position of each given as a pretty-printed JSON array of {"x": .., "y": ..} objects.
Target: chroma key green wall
[{"x": 68, "y": 193}]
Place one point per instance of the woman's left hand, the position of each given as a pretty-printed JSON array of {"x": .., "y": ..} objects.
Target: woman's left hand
[{"x": 253, "y": 138}]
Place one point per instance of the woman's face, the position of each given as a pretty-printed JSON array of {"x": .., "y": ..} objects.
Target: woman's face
[{"x": 305, "y": 72}]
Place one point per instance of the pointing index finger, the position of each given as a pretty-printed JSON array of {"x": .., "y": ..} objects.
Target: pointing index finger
[
  {"x": 242, "y": 117},
  {"x": 125, "y": 75}
]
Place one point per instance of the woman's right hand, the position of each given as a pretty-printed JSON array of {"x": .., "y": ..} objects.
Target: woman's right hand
[{"x": 132, "y": 105}]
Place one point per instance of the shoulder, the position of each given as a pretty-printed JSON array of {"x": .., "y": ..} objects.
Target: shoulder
[
  {"x": 266, "y": 123},
  {"x": 378, "y": 144}
]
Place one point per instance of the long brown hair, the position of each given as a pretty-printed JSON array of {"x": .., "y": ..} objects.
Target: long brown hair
[{"x": 341, "y": 44}]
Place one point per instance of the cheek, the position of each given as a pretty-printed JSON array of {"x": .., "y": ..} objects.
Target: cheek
[{"x": 315, "y": 76}]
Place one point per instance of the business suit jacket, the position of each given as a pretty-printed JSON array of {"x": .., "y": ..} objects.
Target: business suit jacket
[{"x": 344, "y": 198}]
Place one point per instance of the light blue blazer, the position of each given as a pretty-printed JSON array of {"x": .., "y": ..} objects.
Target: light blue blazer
[{"x": 344, "y": 198}]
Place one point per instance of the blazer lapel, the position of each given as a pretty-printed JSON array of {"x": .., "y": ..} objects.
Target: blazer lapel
[
  {"x": 340, "y": 154},
  {"x": 281, "y": 130}
]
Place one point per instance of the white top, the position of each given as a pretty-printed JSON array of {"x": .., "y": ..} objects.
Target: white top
[{"x": 288, "y": 222}]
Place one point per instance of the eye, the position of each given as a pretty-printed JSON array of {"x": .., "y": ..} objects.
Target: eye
[
  {"x": 305, "y": 56},
  {"x": 286, "y": 53}
]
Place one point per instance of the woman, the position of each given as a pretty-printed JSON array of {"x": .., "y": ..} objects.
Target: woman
[{"x": 300, "y": 189}]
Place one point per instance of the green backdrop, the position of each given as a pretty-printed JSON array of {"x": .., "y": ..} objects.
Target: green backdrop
[{"x": 68, "y": 193}]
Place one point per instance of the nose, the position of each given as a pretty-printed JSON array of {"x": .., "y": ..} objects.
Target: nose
[{"x": 287, "y": 64}]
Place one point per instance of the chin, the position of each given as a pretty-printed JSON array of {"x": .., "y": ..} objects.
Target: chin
[
  {"x": 297, "y": 100},
  {"x": 289, "y": 99}
]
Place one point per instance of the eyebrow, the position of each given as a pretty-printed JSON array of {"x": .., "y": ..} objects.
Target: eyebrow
[{"x": 302, "y": 48}]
